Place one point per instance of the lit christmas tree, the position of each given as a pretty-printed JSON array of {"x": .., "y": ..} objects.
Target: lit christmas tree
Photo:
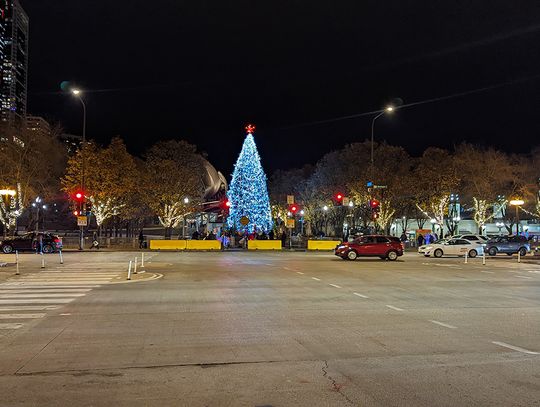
[{"x": 248, "y": 194}]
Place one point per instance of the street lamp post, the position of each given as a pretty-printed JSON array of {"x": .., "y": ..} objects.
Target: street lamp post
[
  {"x": 517, "y": 203},
  {"x": 78, "y": 94},
  {"x": 388, "y": 109},
  {"x": 186, "y": 201}
]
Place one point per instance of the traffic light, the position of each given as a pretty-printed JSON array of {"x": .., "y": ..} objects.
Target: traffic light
[
  {"x": 79, "y": 196},
  {"x": 375, "y": 205},
  {"x": 293, "y": 209},
  {"x": 338, "y": 199},
  {"x": 88, "y": 208}
]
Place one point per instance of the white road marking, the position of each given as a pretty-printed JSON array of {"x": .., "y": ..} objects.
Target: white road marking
[
  {"x": 46, "y": 290},
  {"x": 40, "y": 295},
  {"x": 361, "y": 295},
  {"x": 443, "y": 324},
  {"x": 485, "y": 271},
  {"x": 21, "y": 316},
  {"x": 37, "y": 301},
  {"x": 335, "y": 285},
  {"x": 527, "y": 277},
  {"x": 516, "y": 348},
  {"x": 394, "y": 308},
  {"x": 299, "y": 272},
  {"x": 10, "y": 326},
  {"x": 29, "y": 308},
  {"x": 30, "y": 287},
  {"x": 316, "y": 279}
]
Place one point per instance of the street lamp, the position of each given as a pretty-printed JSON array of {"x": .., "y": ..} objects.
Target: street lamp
[
  {"x": 517, "y": 203},
  {"x": 78, "y": 94},
  {"x": 387, "y": 109}
]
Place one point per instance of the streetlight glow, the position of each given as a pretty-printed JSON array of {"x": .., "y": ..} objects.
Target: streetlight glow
[
  {"x": 186, "y": 200},
  {"x": 325, "y": 208},
  {"x": 76, "y": 92},
  {"x": 517, "y": 202},
  {"x": 389, "y": 109},
  {"x": 9, "y": 192}
]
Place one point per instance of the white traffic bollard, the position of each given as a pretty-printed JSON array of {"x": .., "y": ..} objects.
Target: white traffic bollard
[
  {"x": 42, "y": 261},
  {"x": 61, "y": 257},
  {"x": 484, "y": 258},
  {"x": 519, "y": 257},
  {"x": 129, "y": 271},
  {"x": 135, "y": 268},
  {"x": 17, "y": 263},
  {"x": 466, "y": 254},
  {"x": 142, "y": 260}
]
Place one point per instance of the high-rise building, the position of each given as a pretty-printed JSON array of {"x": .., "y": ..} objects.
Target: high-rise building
[
  {"x": 14, "y": 62},
  {"x": 38, "y": 126}
]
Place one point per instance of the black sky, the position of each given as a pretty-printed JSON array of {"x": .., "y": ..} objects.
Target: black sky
[{"x": 201, "y": 69}]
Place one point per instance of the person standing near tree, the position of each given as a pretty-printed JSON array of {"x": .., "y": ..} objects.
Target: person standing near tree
[{"x": 141, "y": 239}]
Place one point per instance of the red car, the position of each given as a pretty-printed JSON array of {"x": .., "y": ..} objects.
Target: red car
[{"x": 385, "y": 247}]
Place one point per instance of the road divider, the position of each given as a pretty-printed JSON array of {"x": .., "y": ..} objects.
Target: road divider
[
  {"x": 322, "y": 244},
  {"x": 185, "y": 245},
  {"x": 264, "y": 244}
]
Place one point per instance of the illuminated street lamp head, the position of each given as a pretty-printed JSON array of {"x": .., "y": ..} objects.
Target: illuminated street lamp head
[
  {"x": 389, "y": 109},
  {"x": 517, "y": 202},
  {"x": 186, "y": 200},
  {"x": 76, "y": 92},
  {"x": 325, "y": 208}
]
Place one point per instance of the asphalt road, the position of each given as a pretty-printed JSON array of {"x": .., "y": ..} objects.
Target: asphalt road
[{"x": 269, "y": 329}]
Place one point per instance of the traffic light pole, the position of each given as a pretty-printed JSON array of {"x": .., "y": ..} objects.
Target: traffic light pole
[{"x": 81, "y": 231}]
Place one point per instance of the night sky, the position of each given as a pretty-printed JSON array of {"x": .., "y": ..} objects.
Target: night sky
[{"x": 200, "y": 70}]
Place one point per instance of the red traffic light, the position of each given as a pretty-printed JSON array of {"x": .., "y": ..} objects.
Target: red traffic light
[
  {"x": 339, "y": 197},
  {"x": 293, "y": 208},
  {"x": 374, "y": 203},
  {"x": 228, "y": 204},
  {"x": 79, "y": 196}
]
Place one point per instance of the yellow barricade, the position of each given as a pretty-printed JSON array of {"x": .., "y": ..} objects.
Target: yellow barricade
[
  {"x": 167, "y": 245},
  {"x": 322, "y": 244},
  {"x": 203, "y": 245},
  {"x": 264, "y": 244}
]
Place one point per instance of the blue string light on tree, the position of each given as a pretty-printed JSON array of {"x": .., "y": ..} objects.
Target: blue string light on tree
[{"x": 248, "y": 194}]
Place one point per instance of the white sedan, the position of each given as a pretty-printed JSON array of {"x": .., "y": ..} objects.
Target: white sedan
[{"x": 452, "y": 247}]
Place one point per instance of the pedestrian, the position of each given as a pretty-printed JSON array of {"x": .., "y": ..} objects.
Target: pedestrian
[
  {"x": 141, "y": 239},
  {"x": 39, "y": 243},
  {"x": 403, "y": 237},
  {"x": 283, "y": 238},
  {"x": 271, "y": 235},
  {"x": 195, "y": 235},
  {"x": 420, "y": 240}
]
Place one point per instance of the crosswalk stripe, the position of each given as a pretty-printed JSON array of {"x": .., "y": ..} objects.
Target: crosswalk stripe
[
  {"x": 37, "y": 301},
  {"x": 41, "y": 290},
  {"x": 29, "y": 308},
  {"x": 57, "y": 283},
  {"x": 18, "y": 287},
  {"x": 10, "y": 326},
  {"x": 42, "y": 295},
  {"x": 21, "y": 316}
]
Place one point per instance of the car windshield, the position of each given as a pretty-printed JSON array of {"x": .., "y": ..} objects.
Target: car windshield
[{"x": 440, "y": 241}]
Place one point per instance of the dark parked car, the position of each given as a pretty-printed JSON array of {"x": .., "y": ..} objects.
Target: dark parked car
[
  {"x": 385, "y": 247},
  {"x": 508, "y": 245},
  {"x": 29, "y": 241}
]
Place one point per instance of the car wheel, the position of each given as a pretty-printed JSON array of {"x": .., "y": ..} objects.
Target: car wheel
[
  {"x": 7, "y": 249},
  {"x": 352, "y": 255},
  {"x": 522, "y": 252},
  {"x": 392, "y": 255},
  {"x": 473, "y": 253},
  {"x": 47, "y": 248},
  {"x": 438, "y": 253},
  {"x": 492, "y": 251}
]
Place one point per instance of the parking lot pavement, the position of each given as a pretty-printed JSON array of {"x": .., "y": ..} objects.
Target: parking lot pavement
[{"x": 298, "y": 329}]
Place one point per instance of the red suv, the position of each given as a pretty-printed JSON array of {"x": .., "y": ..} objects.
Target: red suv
[{"x": 385, "y": 247}]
